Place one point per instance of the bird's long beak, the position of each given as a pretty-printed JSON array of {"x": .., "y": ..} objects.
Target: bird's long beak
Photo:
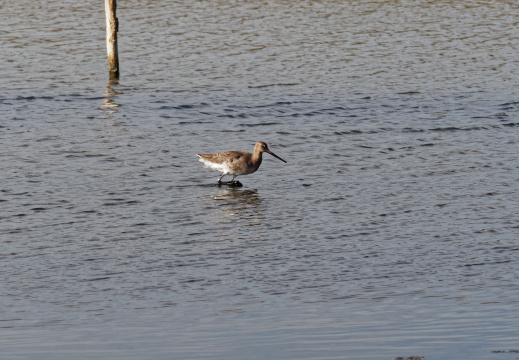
[{"x": 271, "y": 153}]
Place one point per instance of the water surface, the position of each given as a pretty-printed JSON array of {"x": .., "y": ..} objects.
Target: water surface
[{"x": 391, "y": 232}]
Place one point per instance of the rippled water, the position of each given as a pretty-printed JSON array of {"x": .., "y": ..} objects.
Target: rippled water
[{"x": 391, "y": 232}]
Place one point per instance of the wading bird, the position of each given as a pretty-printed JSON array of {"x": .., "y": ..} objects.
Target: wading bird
[{"x": 236, "y": 162}]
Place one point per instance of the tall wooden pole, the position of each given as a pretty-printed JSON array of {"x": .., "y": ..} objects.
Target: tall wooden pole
[{"x": 112, "y": 26}]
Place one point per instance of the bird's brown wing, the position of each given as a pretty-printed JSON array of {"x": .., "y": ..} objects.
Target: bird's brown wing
[{"x": 222, "y": 157}]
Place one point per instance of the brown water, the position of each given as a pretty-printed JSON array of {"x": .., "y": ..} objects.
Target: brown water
[{"x": 391, "y": 232}]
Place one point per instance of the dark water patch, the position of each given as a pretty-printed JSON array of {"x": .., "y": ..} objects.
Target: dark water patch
[
  {"x": 19, "y": 194},
  {"x": 49, "y": 138},
  {"x": 410, "y": 92},
  {"x": 184, "y": 106},
  {"x": 94, "y": 279},
  {"x": 80, "y": 154},
  {"x": 510, "y": 106},
  {"x": 232, "y": 131},
  {"x": 412, "y": 130},
  {"x": 335, "y": 109},
  {"x": 25, "y": 98},
  {"x": 361, "y": 132},
  {"x": 195, "y": 122},
  {"x": 285, "y": 103},
  {"x": 454, "y": 128},
  {"x": 272, "y": 85},
  {"x": 261, "y": 124},
  {"x": 113, "y": 203},
  {"x": 313, "y": 113},
  {"x": 500, "y": 115},
  {"x": 234, "y": 116},
  {"x": 505, "y": 248}
]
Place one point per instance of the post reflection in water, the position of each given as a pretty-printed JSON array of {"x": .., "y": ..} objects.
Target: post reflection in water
[
  {"x": 236, "y": 214},
  {"x": 109, "y": 107}
]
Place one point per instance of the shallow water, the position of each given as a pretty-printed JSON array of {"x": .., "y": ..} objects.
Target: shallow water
[{"x": 391, "y": 232}]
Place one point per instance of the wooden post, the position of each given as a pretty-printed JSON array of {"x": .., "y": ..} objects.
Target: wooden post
[{"x": 112, "y": 26}]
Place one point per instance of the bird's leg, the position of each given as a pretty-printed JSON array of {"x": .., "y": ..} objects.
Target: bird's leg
[{"x": 231, "y": 183}]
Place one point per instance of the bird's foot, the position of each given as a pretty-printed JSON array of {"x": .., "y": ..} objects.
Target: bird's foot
[{"x": 234, "y": 183}]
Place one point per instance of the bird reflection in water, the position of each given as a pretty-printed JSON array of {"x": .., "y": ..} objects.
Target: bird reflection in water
[{"x": 237, "y": 214}]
